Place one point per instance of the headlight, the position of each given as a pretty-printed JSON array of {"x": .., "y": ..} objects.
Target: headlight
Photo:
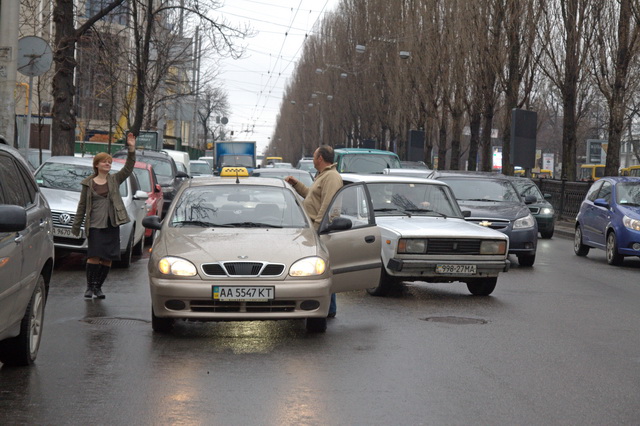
[
  {"x": 412, "y": 245},
  {"x": 524, "y": 222},
  {"x": 308, "y": 267},
  {"x": 546, "y": 211},
  {"x": 631, "y": 223},
  {"x": 493, "y": 247},
  {"x": 176, "y": 266}
]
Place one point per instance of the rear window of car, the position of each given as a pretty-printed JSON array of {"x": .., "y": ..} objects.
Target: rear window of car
[
  {"x": 246, "y": 206},
  {"x": 367, "y": 163},
  {"x": 478, "y": 189},
  {"x": 67, "y": 177}
]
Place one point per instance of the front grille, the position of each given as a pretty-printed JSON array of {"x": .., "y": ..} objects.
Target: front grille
[
  {"x": 498, "y": 224},
  {"x": 55, "y": 216},
  {"x": 249, "y": 307},
  {"x": 453, "y": 246},
  {"x": 247, "y": 269}
]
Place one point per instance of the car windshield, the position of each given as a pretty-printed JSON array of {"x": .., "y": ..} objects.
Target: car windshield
[
  {"x": 368, "y": 163},
  {"x": 526, "y": 188},
  {"x": 628, "y": 193},
  {"x": 306, "y": 166},
  {"x": 67, "y": 177},
  {"x": 478, "y": 189},
  {"x": 246, "y": 206},
  {"x": 391, "y": 199},
  {"x": 235, "y": 160},
  {"x": 200, "y": 169},
  {"x": 162, "y": 167}
]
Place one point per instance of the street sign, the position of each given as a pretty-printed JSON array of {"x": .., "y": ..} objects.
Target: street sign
[{"x": 149, "y": 140}]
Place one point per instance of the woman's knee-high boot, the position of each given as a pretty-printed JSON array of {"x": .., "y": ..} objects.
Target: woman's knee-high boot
[
  {"x": 102, "y": 276},
  {"x": 93, "y": 274}
]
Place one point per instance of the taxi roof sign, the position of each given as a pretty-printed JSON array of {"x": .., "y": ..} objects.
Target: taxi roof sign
[{"x": 234, "y": 172}]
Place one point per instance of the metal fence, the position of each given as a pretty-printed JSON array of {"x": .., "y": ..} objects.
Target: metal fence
[{"x": 566, "y": 196}]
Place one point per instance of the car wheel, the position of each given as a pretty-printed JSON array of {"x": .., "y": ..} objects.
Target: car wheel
[
  {"x": 160, "y": 325},
  {"x": 547, "y": 234},
  {"x": 23, "y": 349},
  {"x": 316, "y": 325},
  {"x": 613, "y": 257},
  {"x": 482, "y": 286},
  {"x": 579, "y": 248},
  {"x": 385, "y": 285},
  {"x": 125, "y": 258},
  {"x": 138, "y": 249},
  {"x": 526, "y": 259}
]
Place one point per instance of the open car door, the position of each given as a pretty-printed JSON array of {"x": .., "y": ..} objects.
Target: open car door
[{"x": 350, "y": 233}]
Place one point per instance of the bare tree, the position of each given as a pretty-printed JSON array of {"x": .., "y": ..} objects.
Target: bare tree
[
  {"x": 615, "y": 48},
  {"x": 214, "y": 102}
]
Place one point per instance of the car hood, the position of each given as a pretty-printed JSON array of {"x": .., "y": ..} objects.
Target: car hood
[
  {"x": 435, "y": 227},
  {"x": 631, "y": 211},
  {"x": 60, "y": 200},
  {"x": 204, "y": 245},
  {"x": 510, "y": 211}
]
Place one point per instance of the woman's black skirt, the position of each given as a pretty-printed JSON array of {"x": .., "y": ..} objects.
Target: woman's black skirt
[{"x": 104, "y": 243}]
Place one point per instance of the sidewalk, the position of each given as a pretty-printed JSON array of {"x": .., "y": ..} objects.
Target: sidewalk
[{"x": 564, "y": 229}]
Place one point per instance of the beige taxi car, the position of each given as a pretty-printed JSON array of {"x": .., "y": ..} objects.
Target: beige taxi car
[{"x": 242, "y": 248}]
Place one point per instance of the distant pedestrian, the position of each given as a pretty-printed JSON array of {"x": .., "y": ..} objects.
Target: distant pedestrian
[
  {"x": 103, "y": 211},
  {"x": 319, "y": 195}
]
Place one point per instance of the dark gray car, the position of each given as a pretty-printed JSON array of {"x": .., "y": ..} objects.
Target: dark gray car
[
  {"x": 26, "y": 259},
  {"x": 495, "y": 202}
]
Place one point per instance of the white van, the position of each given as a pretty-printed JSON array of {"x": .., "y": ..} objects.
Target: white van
[{"x": 180, "y": 157}]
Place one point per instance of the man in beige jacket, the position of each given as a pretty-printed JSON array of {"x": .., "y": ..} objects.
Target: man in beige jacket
[{"x": 319, "y": 195}]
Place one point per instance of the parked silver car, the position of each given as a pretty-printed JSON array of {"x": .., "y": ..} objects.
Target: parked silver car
[
  {"x": 425, "y": 236},
  {"x": 59, "y": 178},
  {"x": 26, "y": 259}
]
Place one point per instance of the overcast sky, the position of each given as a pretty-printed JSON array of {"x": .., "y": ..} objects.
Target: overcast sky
[{"x": 255, "y": 84}]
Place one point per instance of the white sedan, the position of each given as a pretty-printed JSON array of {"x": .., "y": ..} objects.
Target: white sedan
[{"x": 426, "y": 238}]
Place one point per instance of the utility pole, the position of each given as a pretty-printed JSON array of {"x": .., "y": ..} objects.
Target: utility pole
[{"x": 9, "y": 14}]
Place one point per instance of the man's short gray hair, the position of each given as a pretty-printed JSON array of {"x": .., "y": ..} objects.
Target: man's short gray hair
[{"x": 326, "y": 153}]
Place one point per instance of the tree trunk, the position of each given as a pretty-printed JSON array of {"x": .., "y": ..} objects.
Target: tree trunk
[{"x": 63, "y": 125}]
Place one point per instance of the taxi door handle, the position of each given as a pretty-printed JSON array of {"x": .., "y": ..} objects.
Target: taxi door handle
[
  {"x": 19, "y": 239},
  {"x": 370, "y": 239}
]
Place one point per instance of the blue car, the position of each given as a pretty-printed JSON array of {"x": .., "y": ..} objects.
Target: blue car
[{"x": 609, "y": 219}]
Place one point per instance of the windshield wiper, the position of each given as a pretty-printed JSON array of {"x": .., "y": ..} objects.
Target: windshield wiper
[
  {"x": 195, "y": 222},
  {"x": 480, "y": 199},
  {"x": 253, "y": 225},
  {"x": 386, "y": 209},
  {"x": 427, "y": 211}
]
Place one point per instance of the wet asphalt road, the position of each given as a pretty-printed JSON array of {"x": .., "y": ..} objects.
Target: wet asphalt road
[{"x": 558, "y": 343}]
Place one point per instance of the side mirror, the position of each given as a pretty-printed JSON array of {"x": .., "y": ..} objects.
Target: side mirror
[
  {"x": 600, "y": 202},
  {"x": 181, "y": 174},
  {"x": 530, "y": 199},
  {"x": 547, "y": 196},
  {"x": 158, "y": 188},
  {"x": 339, "y": 224},
  {"x": 152, "y": 222},
  {"x": 140, "y": 195},
  {"x": 466, "y": 213},
  {"x": 12, "y": 218}
]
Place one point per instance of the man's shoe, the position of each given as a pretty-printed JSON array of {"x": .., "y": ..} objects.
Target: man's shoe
[
  {"x": 88, "y": 293},
  {"x": 331, "y": 315}
]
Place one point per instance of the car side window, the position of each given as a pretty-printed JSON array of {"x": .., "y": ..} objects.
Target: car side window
[
  {"x": 13, "y": 188},
  {"x": 352, "y": 202},
  {"x": 605, "y": 192},
  {"x": 593, "y": 191}
]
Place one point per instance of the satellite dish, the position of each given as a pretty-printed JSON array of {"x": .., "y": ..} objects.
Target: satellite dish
[
  {"x": 34, "y": 56},
  {"x": 224, "y": 120}
]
